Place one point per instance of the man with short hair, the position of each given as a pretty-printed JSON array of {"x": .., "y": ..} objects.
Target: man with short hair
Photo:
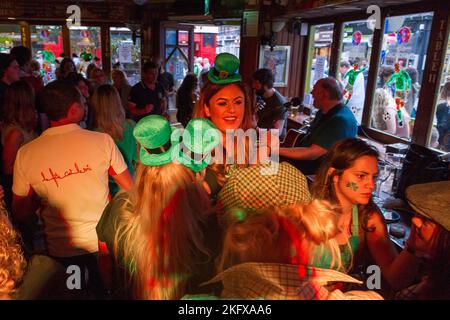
[
  {"x": 23, "y": 57},
  {"x": 68, "y": 167},
  {"x": 333, "y": 122},
  {"x": 271, "y": 114},
  {"x": 147, "y": 96}
]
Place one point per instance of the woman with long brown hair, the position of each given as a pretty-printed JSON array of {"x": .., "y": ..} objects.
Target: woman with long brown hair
[
  {"x": 225, "y": 100},
  {"x": 20, "y": 121},
  {"x": 346, "y": 178},
  {"x": 109, "y": 117}
]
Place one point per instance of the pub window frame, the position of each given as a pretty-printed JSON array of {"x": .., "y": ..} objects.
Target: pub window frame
[{"x": 429, "y": 92}]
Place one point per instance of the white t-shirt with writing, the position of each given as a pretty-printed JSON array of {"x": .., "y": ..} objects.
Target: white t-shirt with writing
[{"x": 68, "y": 168}]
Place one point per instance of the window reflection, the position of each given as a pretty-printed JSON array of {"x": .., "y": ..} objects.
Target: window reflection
[
  {"x": 47, "y": 48},
  {"x": 400, "y": 73},
  {"x": 356, "y": 48},
  {"x": 85, "y": 46},
  {"x": 318, "y": 56},
  {"x": 126, "y": 55},
  {"x": 440, "y": 132},
  {"x": 10, "y": 36}
]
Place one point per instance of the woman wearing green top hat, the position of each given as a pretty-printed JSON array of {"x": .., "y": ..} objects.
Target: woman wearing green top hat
[
  {"x": 158, "y": 232},
  {"x": 347, "y": 178},
  {"x": 225, "y": 100}
]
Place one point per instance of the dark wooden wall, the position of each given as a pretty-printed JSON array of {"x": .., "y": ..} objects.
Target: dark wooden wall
[{"x": 296, "y": 72}]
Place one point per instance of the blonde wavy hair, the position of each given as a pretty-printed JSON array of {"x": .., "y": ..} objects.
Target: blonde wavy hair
[
  {"x": 119, "y": 74},
  {"x": 271, "y": 236},
  {"x": 109, "y": 114},
  {"x": 382, "y": 101},
  {"x": 12, "y": 261},
  {"x": 160, "y": 230}
]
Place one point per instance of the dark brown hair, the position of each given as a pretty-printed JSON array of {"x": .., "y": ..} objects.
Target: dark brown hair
[
  {"x": 341, "y": 157},
  {"x": 210, "y": 89},
  {"x": 19, "y": 106},
  {"x": 22, "y": 55},
  {"x": 56, "y": 99},
  {"x": 264, "y": 76}
]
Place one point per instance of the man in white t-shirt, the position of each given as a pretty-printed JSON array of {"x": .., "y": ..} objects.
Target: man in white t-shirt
[{"x": 67, "y": 167}]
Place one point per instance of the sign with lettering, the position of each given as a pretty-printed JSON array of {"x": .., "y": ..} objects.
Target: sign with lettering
[
  {"x": 250, "y": 24},
  {"x": 437, "y": 51},
  {"x": 125, "y": 52},
  {"x": 319, "y": 69}
]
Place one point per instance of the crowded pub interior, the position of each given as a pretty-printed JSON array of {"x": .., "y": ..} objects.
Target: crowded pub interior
[{"x": 225, "y": 149}]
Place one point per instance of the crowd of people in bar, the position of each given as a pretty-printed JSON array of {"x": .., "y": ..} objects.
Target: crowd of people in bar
[{"x": 103, "y": 198}]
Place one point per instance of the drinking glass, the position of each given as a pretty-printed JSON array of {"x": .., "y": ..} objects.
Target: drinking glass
[{"x": 385, "y": 170}]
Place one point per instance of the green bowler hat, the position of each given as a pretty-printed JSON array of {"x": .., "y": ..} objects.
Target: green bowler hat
[
  {"x": 225, "y": 69},
  {"x": 154, "y": 134},
  {"x": 200, "y": 137}
]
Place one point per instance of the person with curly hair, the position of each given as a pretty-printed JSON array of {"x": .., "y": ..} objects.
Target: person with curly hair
[{"x": 12, "y": 261}]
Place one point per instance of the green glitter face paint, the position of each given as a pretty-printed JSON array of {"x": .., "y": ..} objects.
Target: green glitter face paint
[{"x": 352, "y": 185}]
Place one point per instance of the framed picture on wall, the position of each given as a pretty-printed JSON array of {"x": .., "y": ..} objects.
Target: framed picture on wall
[{"x": 277, "y": 61}]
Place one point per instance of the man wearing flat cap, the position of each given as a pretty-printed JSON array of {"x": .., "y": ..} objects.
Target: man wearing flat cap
[{"x": 430, "y": 240}]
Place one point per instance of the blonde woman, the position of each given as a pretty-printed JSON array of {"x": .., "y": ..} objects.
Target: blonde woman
[
  {"x": 384, "y": 115},
  {"x": 120, "y": 82},
  {"x": 273, "y": 255},
  {"x": 157, "y": 232},
  {"x": 109, "y": 117}
]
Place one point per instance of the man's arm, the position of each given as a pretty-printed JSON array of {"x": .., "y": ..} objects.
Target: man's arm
[
  {"x": 24, "y": 204},
  {"x": 124, "y": 180},
  {"x": 279, "y": 124},
  {"x": 139, "y": 112},
  {"x": 303, "y": 153},
  {"x": 13, "y": 141}
]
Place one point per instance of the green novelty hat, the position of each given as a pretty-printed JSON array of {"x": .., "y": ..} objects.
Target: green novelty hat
[
  {"x": 225, "y": 69},
  {"x": 154, "y": 134},
  {"x": 200, "y": 137}
]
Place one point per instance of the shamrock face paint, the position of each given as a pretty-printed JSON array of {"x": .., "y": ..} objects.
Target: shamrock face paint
[
  {"x": 356, "y": 184},
  {"x": 352, "y": 186}
]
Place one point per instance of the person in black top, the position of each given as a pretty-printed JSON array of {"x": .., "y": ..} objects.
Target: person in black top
[
  {"x": 186, "y": 98},
  {"x": 271, "y": 114},
  {"x": 147, "y": 96},
  {"x": 9, "y": 73}
]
